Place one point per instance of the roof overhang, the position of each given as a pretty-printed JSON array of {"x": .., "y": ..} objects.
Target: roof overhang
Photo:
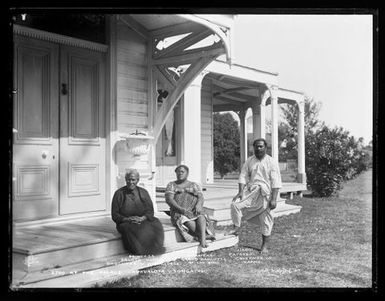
[
  {"x": 220, "y": 25},
  {"x": 237, "y": 87},
  {"x": 243, "y": 72},
  {"x": 290, "y": 96},
  {"x": 162, "y": 25}
]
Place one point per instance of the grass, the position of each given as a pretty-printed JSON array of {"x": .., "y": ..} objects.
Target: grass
[{"x": 328, "y": 244}]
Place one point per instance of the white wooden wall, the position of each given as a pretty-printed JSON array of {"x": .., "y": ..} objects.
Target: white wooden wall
[
  {"x": 132, "y": 105},
  {"x": 207, "y": 153}
]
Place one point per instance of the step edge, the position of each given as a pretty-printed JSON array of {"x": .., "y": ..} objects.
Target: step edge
[{"x": 191, "y": 245}]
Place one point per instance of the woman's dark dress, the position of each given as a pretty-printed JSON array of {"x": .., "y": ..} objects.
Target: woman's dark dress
[{"x": 145, "y": 238}]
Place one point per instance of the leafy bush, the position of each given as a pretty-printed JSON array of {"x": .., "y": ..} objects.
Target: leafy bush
[
  {"x": 332, "y": 156},
  {"x": 226, "y": 144}
]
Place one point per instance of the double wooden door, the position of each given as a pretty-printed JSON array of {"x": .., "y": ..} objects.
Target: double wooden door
[
  {"x": 168, "y": 149},
  {"x": 59, "y": 130}
]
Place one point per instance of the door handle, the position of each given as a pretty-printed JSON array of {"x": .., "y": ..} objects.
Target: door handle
[{"x": 64, "y": 89}]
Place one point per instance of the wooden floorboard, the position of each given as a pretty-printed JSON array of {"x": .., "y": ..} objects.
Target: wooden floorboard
[
  {"x": 41, "y": 238},
  {"x": 22, "y": 245},
  {"x": 64, "y": 235}
]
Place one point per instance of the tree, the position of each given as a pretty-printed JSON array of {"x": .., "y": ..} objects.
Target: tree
[
  {"x": 288, "y": 144},
  {"x": 311, "y": 108},
  {"x": 287, "y": 129},
  {"x": 226, "y": 143}
]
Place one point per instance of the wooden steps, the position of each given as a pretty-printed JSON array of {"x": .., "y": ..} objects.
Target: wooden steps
[
  {"x": 221, "y": 212},
  {"x": 81, "y": 258},
  {"x": 218, "y": 198},
  {"x": 112, "y": 268},
  {"x": 291, "y": 186}
]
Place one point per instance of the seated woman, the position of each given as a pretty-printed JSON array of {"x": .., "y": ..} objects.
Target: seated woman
[
  {"x": 133, "y": 213},
  {"x": 185, "y": 199}
]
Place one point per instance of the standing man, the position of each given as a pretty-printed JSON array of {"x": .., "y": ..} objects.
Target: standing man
[{"x": 259, "y": 183}]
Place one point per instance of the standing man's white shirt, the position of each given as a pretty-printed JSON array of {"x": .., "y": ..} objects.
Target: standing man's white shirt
[{"x": 264, "y": 172}]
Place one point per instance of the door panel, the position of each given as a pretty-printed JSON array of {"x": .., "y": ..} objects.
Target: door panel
[
  {"x": 166, "y": 154},
  {"x": 83, "y": 104},
  {"x": 82, "y": 136},
  {"x": 35, "y": 147}
]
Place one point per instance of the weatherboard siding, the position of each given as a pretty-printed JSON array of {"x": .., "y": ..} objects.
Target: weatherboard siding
[
  {"x": 206, "y": 133},
  {"x": 132, "y": 99}
]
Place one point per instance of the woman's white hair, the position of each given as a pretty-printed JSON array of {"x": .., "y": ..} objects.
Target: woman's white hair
[{"x": 132, "y": 172}]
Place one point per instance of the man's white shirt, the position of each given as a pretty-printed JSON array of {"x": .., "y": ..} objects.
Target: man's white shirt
[{"x": 264, "y": 173}]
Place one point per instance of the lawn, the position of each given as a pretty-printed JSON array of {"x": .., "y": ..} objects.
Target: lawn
[{"x": 328, "y": 244}]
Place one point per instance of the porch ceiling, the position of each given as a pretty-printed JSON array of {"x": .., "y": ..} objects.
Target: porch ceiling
[
  {"x": 230, "y": 93},
  {"x": 233, "y": 93}
]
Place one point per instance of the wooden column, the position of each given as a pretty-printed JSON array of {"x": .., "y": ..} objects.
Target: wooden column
[
  {"x": 259, "y": 121},
  {"x": 301, "y": 177},
  {"x": 191, "y": 129},
  {"x": 152, "y": 108},
  {"x": 243, "y": 136},
  {"x": 274, "y": 122}
]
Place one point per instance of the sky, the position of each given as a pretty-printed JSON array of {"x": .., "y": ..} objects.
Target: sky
[{"x": 328, "y": 57}]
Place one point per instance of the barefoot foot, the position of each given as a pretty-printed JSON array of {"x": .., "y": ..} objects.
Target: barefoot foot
[{"x": 235, "y": 231}]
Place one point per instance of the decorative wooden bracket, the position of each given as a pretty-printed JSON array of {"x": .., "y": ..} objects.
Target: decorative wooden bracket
[{"x": 189, "y": 51}]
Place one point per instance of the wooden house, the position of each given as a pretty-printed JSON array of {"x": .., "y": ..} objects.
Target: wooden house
[{"x": 97, "y": 94}]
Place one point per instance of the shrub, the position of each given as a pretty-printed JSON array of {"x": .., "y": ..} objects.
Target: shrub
[{"x": 332, "y": 156}]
